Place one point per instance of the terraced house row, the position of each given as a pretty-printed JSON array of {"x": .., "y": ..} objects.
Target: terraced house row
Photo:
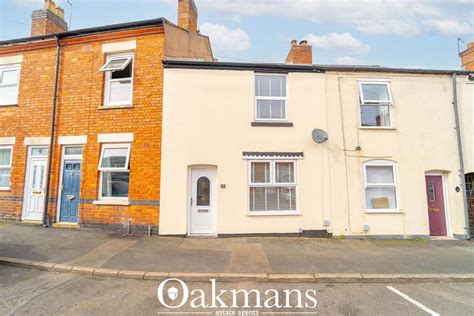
[{"x": 136, "y": 128}]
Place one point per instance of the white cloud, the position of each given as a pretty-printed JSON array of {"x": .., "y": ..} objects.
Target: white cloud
[
  {"x": 225, "y": 40},
  {"x": 450, "y": 27},
  {"x": 345, "y": 42},
  {"x": 400, "y": 17},
  {"x": 347, "y": 60}
]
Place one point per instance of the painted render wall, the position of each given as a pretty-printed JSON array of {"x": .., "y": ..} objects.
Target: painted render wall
[
  {"x": 210, "y": 124},
  {"x": 466, "y": 112}
]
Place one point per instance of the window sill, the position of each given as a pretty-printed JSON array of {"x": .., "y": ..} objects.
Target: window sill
[
  {"x": 111, "y": 202},
  {"x": 275, "y": 213},
  {"x": 118, "y": 106},
  {"x": 5, "y": 189},
  {"x": 272, "y": 124},
  {"x": 377, "y": 128},
  {"x": 7, "y": 105},
  {"x": 383, "y": 212}
]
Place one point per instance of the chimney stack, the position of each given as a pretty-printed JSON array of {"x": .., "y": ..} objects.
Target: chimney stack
[
  {"x": 467, "y": 57},
  {"x": 48, "y": 20},
  {"x": 187, "y": 15},
  {"x": 300, "y": 54}
]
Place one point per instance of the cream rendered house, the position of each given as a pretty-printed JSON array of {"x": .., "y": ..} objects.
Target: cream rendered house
[{"x": 238, "y": 156}]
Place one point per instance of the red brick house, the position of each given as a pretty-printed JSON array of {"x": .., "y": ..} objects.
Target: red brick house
[{"x": 81, "y": 117}]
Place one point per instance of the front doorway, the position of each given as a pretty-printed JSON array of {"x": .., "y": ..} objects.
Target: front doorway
[
  {"x": 436, "y": 205},
  {"x": 203, "y": 202},
  {"x": 70, "y": 184},
  {"x": 35, "y": 181}
]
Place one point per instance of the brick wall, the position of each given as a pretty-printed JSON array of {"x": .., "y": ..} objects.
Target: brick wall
[
  {"x": 30, "y": 118},
  {"x": 467, "y": 57},
  {"x": 300, "y": 54}
]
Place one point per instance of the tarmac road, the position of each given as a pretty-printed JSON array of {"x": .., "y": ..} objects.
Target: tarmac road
[{"x": 33, "y": 292}]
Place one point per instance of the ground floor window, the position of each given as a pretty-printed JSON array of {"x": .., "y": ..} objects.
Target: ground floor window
[
  {"x": 380, "y": 186},
  {"x": 5, "y": 167},
  {"x": 114, "y": 170},
  {"x": 272, "y": 186}
]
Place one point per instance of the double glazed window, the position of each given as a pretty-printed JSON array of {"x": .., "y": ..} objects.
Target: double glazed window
[
  {"x": 272, "y": 186},
  {"x": 9, "y": 78},
  {"x": 118, "y": 80},
  {"x": 5, "y": 167},
  {"x": 375, "y": 104},
  {"x": 270, "y": 98},
  {"x": 380, "y": 186},
  {"x": 114, "y": 170}
]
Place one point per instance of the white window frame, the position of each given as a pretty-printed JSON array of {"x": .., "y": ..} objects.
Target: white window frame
[
  {"x": 257, "y": 98},
  {"x": 8, "y": 167},
  {"x": 4, "y": 68},
  {"x": 109, "y": 80},
  {"x": 128, "y": 59},
  {"x": 382, "y": 163},
  {"x": 272, "y": 183},
  {"x": 126, "y": 169},
  {"x": 364, "y": 102}
]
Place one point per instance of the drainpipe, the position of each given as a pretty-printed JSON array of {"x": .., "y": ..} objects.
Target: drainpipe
[
  {"x": 51, "y": 141},
  {"x": 461, "y": 157}
]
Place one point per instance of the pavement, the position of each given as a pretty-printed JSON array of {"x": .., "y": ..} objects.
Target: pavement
[
  {"x": 34, "y": 292},
  {"x": 97, "y": 250}
]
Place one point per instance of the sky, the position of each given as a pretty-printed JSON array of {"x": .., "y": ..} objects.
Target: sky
[{"x": 391, "y": 33}]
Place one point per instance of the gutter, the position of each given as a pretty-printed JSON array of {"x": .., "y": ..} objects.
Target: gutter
[
  {"x": 461, "y": 157},
  {"x": 51, "y": 141}
]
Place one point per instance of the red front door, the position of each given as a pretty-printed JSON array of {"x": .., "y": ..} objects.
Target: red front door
[{"x": 436, "y": 211}]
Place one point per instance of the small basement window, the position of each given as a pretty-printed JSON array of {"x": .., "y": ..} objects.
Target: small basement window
[{"x": 118, "y": 80}]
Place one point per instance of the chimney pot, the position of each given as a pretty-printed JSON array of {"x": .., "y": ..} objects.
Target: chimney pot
[
  {"x": 304, "y": 42},
  {"x": 294, "y": 42}
]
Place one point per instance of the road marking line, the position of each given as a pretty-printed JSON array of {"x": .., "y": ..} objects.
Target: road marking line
[{"x": 423, "y": 307}]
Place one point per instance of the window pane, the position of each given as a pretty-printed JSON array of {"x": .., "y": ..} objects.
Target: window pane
[
  {"x": 260, "y": 172},
  {"x": 123, "y": 74},
  {"x": 380, "y": 174},
  {"x": 381, "y": 198},
  {"x": 272, "y": 199},
  {"x": 375, "y": 115},
  {"x": 271, "y": 109},
  {"x": 8, "y": 95},
  {"x": 73, "y": 151},
  {"x": 285, "y": 172},
  {"x": 203, "y": 192},
  {"x": 115, "y": 184},
  {"x": 278, "y": 86},
  {"x": 39, "y": 152},
  {"x": 270, "y": 86},
  {"x": 375, "y": 92},
  {"x": 5, "y": 178},
  {"x": 114, "y": 158},
  {"x": 287, "y": 199},
  {"x": 120, "y": 91},
  {"x": 5, "y": 156},
  {"x": 9, "y": 76},
  {"x": 116, "y": 63},
  {"x": 257, "y": 199}
]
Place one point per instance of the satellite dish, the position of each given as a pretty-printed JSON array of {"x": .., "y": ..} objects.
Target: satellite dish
[{"x": 319, "y": 136}]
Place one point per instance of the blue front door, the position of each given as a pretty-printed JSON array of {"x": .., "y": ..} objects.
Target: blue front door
[{"x": 70, "y": 191}]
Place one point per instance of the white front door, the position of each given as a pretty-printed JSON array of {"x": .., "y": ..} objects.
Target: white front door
[
  {"x": 203, "y": 202},
  {"x": 35, "y": 188}
]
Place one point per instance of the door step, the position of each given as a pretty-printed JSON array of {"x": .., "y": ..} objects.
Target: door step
[
  {"x": 65, "y": 225},
  {"x": 442, "y": 238}
]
